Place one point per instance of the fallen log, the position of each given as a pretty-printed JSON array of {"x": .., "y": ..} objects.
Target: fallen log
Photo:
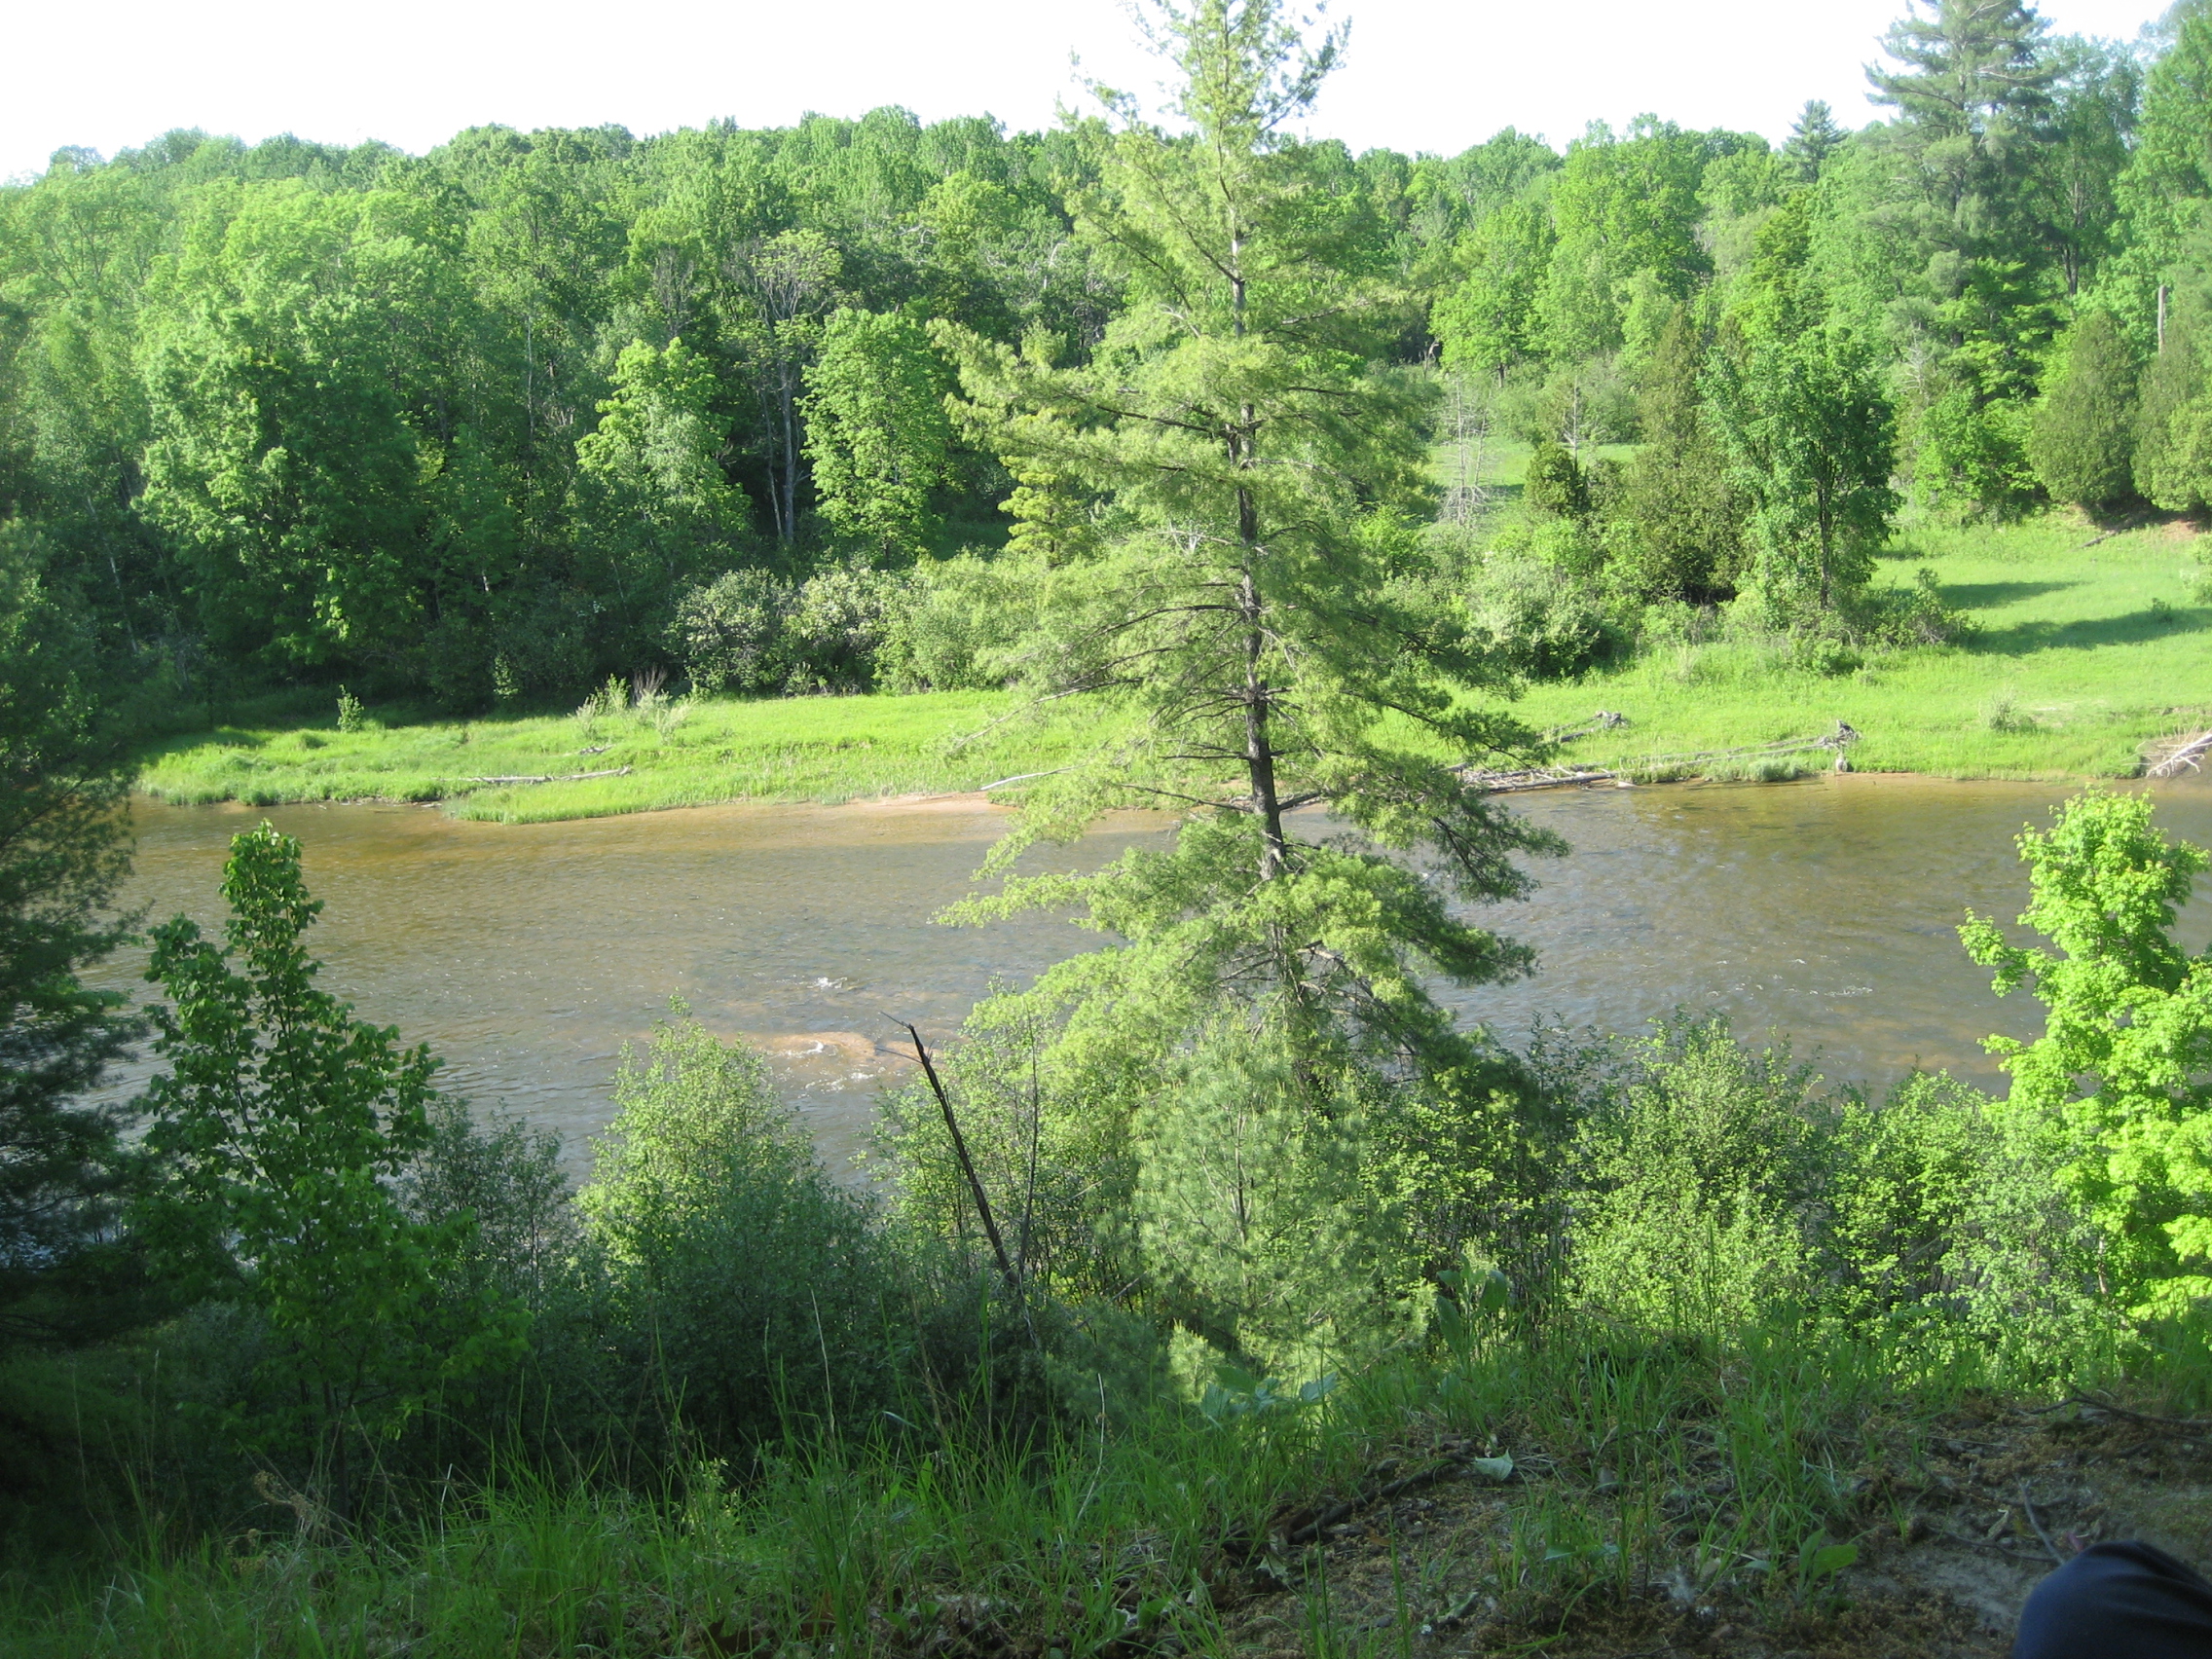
[
  {"x": 2192, "y": 754},
  {"x": 1566, "y": 777},
  {"x": 553, "y": 778}
]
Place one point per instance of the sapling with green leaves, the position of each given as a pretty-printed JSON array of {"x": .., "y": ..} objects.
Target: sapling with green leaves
[
  {"x": 279, "y": 1132},
  {"x": 2118, "y": 1087}
]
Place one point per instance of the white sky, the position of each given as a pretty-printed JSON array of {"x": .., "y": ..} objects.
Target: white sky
[{"x": 1422, "y": 74}]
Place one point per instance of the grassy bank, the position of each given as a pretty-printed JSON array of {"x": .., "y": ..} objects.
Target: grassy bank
[
  {"x": 688, "y": 753},
  {"x": 2083, "y": 654},
  {"x": 1585, "y": 1497}
]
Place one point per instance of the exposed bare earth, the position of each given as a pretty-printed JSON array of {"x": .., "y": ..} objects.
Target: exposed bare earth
[{"x": 1949, "y": 1551}]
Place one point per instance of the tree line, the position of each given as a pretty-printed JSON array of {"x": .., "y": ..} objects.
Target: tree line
[{"x": 493, "y": 423}]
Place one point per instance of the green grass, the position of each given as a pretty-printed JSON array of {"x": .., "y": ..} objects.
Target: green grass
[
  {"x": 1626, "y": 1464},
  {"x": 824, "y": 748},
  {"x": 2085, "y": 655}
]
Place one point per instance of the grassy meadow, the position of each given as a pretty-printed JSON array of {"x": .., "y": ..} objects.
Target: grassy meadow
[
  {"x": 2086, "y": 649},
  {"x": 2084, "y": 653},
  {"x": 692, "y": 753}
]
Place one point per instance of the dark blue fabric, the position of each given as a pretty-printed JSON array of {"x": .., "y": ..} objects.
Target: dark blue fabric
[{"x": 2117, "y": 1601}]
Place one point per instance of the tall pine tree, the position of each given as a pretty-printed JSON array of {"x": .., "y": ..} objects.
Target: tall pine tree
[{"x": 1239, "y": 624}]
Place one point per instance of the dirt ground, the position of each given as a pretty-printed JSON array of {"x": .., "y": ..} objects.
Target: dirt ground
[{"x": 1953, "y": 1534}]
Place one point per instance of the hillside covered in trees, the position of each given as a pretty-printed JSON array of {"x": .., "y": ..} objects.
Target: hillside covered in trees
[{"x": 489, "y": 425}]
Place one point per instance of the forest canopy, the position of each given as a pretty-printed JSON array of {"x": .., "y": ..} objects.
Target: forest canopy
[{"x": 491, "y": 423}]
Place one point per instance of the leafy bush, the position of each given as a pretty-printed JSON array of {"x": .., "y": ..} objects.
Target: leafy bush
[
  {"x": 741, "y": 1289},
  {"x": 277, "y": 1136},
  {"x": 956, "y": 625},
  {"x": 2081, "y": 434},
  {"x": 1971, "y": 461},
  {"x": 1555, "y": 483},
  {"x": 1699, "y": 1173},
  {"x": 1541, "y": 619},
  {"x": 833, "y": 627},
  {"x": 750, "y": 630},
  {"x": 1897, "y": 618},
  {"x": 2117, "y": 1091},
  {"x": 728, "y": 633}
]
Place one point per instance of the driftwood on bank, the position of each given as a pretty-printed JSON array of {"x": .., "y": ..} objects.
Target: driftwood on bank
[
  {"x": 2190, "y": 752},
  {"x": 554, "y": 778},
  {"x": 1570, "y": 776}
]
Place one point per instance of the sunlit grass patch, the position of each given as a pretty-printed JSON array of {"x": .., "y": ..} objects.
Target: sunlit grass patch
[
  {"x": 689, "y": 754},
  {"x": 2083, "y": 654}
]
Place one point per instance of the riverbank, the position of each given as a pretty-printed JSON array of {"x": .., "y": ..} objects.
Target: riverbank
[
  {"x": 2081, "y": 655},
  {"x": 690, "y": 753}
]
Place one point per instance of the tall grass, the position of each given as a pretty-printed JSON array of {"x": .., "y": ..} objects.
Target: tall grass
[
  {"x": 2083, "y": 654},
  {"x": 1638, "y": 1468}
]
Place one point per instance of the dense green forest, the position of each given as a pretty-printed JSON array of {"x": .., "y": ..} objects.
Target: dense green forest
[
  {"x": 1181, "y": 1274},
  {"x": 496, "y": 421}
]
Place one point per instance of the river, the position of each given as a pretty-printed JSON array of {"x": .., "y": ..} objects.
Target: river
[{"x": 1823, "y": 910}]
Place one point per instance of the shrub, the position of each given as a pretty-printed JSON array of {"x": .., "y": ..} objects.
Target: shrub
[
  {"x": 728, "y": 633},
  {"x": 957, "y": 625},
  {"x": 2082, "y": 432},
  {"x": 835, "y": 625},
  {"x": 1900, "y": 617},
  {"x": 1555, "y": 483},
  {"x": 1699, "y": 1177},
  {"x": 742, "y": 1288},
  {"x": 1542, "y": 619},
  {"x": 1971, "y": 460},
  {"x": 2117, "y": 1091},
  {"x": 276, "y": 1137}
]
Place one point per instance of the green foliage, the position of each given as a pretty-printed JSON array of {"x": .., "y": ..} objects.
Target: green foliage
[
  {"x": 2119, "y": 1088},
  {"x": 1240, "y": 622},
  {"x": 1539, "y": 612},
  {"x": 1972, "y": 459},
  {"x": 2081, "y": 434},
  {"x": 2174, "y": 429},
  {"x": 1488, "y": 321},
  {"x": 745, "y": 1293},
  {"x": 2169, "y": 175},
  {"x": 877, "y": 433},
  {"x": 650, "y": 506},
  {"x": 959, "y": 624},
  {"x": 1555, "y": 483},
  {"x": 1697, "y": 1183},
  {"x": 1680, "y": 519},
  {"x": 277, "y": 1134},
  {"x": 1814, "y": 137},
  {"x": 65, "y": 849},
  {"x": 728, "y": 633},
  {"x": 1812, "y": 436},
  {"x": 835, "y": 626},
  {"x": 750, "y": 630},
  {"x": 1254, "y": 1204},
  {"x": 285, "y": 342}
]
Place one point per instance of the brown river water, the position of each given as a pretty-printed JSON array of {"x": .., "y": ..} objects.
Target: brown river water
[{"x": 1823, "y": 911}]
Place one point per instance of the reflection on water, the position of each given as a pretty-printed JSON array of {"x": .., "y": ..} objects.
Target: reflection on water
[{"x": 526, "y": 955}]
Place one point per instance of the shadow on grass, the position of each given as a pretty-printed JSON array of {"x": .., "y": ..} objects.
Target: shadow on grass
[
  {"x": 2131, "y": 628},
  {"x": 1988, "y": 596}
]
